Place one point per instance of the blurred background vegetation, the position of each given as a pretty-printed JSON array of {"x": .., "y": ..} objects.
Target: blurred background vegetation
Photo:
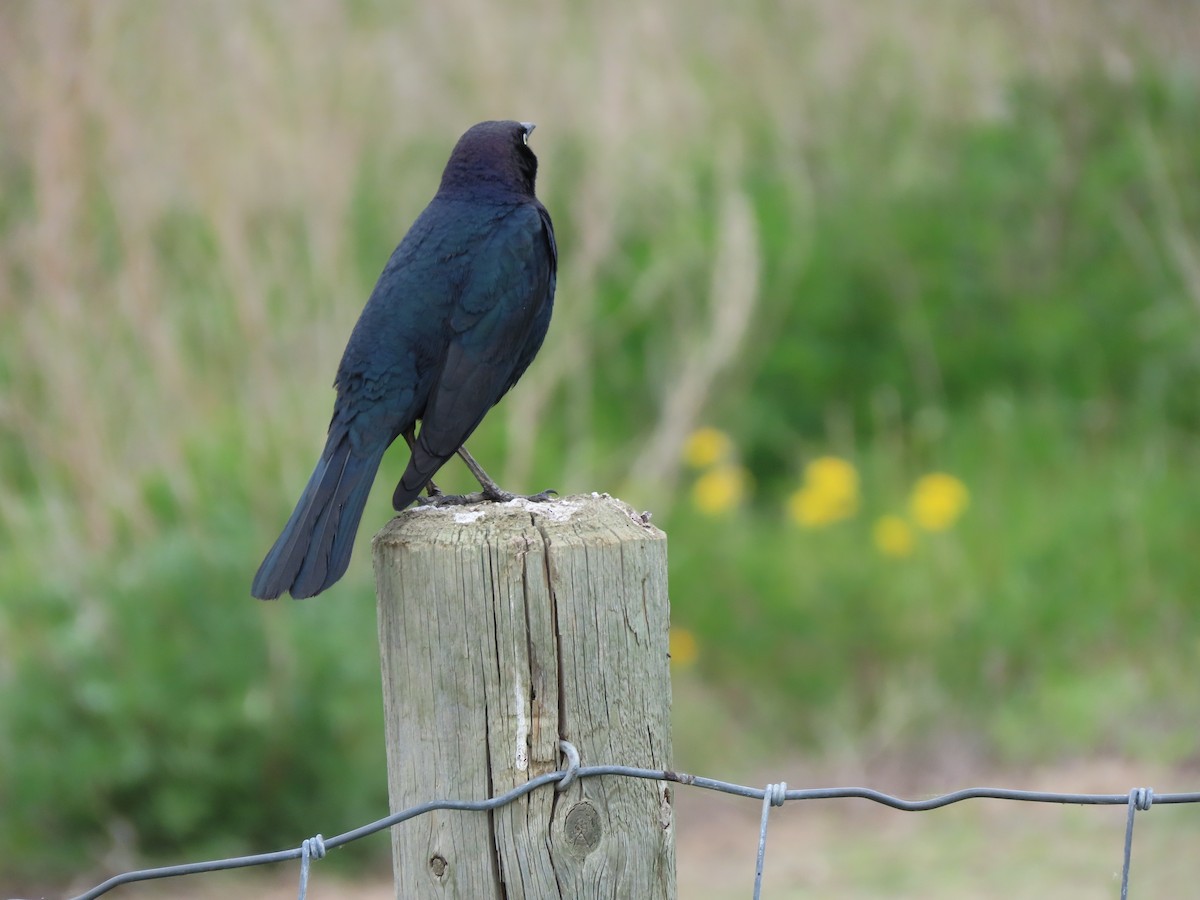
[{"x": 889, "y": 311}]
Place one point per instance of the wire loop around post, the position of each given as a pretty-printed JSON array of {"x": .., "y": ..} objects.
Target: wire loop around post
[{"x": 572, "y": 756}]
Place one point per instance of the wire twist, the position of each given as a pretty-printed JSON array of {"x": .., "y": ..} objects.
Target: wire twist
[
  {"x": 312, "y": 848},
  {"x": 774, "y": 795},
  {"x": 1139, "y": 799}
]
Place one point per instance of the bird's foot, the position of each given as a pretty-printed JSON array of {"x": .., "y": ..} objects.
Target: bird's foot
[
  {"x": 492, "y": 495},
  {"x": 440, "y": 500},
  {"x": 499, "y": 495},
  {"x": 492, "y": 491}
]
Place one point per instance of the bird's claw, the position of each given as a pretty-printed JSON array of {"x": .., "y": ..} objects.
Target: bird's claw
[
  {"x": 497, "y": 495},
  {"x": 485, "y": 496},
  {"x": 442, "y": 500}
]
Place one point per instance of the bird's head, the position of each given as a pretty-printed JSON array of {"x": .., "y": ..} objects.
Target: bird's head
[{"x": 492, "y": 157}]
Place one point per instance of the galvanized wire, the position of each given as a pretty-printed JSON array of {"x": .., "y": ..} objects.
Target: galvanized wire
[
  {"x": 774, "y": 795},
  {"x": 1138, "y": 799}
]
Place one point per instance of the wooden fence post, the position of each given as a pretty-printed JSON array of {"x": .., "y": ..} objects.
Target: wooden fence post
[{"x": 503, "y": 628}]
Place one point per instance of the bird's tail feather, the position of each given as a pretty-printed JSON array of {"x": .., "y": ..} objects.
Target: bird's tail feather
[{"x": 314, "y": 549}]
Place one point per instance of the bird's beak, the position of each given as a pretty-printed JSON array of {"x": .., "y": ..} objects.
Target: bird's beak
[{"x": 528, "y": 126}]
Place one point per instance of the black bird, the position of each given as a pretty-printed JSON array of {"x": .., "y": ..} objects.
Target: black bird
[{"x": 456, "y": 317}]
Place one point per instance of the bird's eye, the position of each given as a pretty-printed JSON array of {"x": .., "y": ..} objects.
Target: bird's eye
[{"x": 525, "y": 138}]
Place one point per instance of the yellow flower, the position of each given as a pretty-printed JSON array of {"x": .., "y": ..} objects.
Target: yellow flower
[
  {"x": 829, "y": 493},
  {"x": 720, "y": 489},
  {"x": 683, "y": 648},
  {"x": 937, "y": 501},
  {"x": 893, "y": 536},
  {"x": 832, "y": 475},
  {"x": 706, "y": 447}
]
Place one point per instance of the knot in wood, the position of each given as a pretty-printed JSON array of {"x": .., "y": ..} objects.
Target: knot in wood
[
  {"x": 582, "y": 829},
  {"x": 438, "y": 865}
]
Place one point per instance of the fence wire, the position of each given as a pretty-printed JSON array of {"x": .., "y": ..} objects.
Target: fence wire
[{"x": 314, "y": 848}]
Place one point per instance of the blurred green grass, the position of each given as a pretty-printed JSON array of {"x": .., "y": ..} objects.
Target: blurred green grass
[
  {"x": 868, "y": 233},
  {"x": 1054, "y": 619}
]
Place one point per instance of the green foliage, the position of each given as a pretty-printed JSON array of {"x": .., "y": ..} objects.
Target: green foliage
[
  {"x": 1015, "y": 262},
  {"x": 1066, "y": 576},
  {"x": 156, "y": 705}
]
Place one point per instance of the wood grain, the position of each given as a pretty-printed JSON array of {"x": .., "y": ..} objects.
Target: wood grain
[{"x": 503, "y": 628}]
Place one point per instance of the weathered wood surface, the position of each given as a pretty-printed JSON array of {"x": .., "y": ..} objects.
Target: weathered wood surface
[{"x": 503, "y": 628}]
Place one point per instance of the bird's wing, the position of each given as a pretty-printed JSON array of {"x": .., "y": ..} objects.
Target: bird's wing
[
  {"x": 397, "y": 346},
  {"x": 498, "y": 323}
]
